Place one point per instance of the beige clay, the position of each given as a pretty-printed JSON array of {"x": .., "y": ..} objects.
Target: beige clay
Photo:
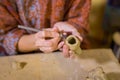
[
  {"x": 74, "y": 43},
  {"x": 97, "y": 74}
]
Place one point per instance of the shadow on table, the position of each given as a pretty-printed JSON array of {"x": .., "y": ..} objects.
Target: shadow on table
[
  {"x": 113, "y": 76},
  {"x": 102, "y": 56}
]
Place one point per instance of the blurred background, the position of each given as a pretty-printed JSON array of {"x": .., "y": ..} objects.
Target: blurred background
[{"x": 105, "y": 25}]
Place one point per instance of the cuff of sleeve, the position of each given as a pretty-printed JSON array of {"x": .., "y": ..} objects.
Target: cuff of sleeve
[{"x": 11, "y": 41}]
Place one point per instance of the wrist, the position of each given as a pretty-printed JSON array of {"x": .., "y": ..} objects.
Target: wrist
[
  {"x": 34, "y": 41},
  {"x": 27, "y": 43}
]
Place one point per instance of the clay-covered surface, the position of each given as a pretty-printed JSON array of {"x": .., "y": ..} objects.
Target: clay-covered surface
[{"x": 55, "y": 67}]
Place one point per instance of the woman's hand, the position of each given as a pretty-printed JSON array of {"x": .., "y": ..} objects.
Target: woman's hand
[
  {"x": 47, "y": 40},
  {"x": 65, "y": 27}
]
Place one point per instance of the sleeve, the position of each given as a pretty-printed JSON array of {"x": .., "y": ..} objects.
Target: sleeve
[
  {"x": 11, "y": 40},
  {"x": 8, "y": 28},
  {"x": 78, "y": 16}
]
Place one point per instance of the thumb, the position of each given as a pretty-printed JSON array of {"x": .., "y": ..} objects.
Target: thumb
[
  {"x": 55, "y": 29},
  {"x": 78, "y": 36}
]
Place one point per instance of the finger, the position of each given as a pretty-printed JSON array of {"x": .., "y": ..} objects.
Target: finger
[
  {"x": 72, "y": 54},
  {"x": 80, "y": 38},
  {"x": 55, "y": 29},
  {"x": 61, "y": 49},
  {"x": 66, "y": 51},
  {"x": 64, "y": 33},
  {"x": 38, "y": 35},
  {"x": 51, "y": 34},
  {"x": 46, "y": 49},
  {"x": 55, "y": 41},
  {"x": 43, "y": 43},
  {"x": 78, "y": 35},
  {"x": 60, "y": 45},
  {"x": 46, "y": 33},
  {"x": 48, "y": 29}
]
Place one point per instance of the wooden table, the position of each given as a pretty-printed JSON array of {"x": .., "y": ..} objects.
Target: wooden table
[{"x": 56, "y": 67}]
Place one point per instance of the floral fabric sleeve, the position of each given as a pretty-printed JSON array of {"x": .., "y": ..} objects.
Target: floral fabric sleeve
[
  {"x": 9, "y": 33},
  {"x": 11, "y": 40}
]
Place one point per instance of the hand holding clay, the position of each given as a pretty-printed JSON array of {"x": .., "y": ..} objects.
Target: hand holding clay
[
  {"x": 65, "y": 28},
  {"x": 47, "y": 40}
]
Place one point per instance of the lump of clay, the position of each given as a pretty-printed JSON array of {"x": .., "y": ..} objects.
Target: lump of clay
[
  {"x": 18, "y": 65},
  {"x": 97, "y": 74}
]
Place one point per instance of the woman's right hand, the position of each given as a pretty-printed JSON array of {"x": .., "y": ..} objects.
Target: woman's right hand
[{"x": 47, "y": 45}]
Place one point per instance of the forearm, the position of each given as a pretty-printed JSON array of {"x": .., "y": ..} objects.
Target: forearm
[{"x": 27, "y": 43}]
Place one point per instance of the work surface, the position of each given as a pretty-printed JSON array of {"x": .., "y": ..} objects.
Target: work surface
[{"x": 56, "y": 67}]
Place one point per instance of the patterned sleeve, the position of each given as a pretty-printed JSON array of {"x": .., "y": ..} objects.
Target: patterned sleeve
[
  {"x": 78, "y": 15},
  {"x": 11, "y": 40},
  {"x": 8, "y": 28}
]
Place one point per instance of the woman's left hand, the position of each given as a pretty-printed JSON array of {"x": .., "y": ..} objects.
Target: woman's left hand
[{"x": 65, "y": 27}]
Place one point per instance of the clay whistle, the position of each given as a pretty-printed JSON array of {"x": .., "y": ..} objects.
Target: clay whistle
[{"x": 74, "y": 44}]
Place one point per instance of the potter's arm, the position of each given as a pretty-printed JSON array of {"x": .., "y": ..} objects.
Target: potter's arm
[{"x": 72, "y": 41}]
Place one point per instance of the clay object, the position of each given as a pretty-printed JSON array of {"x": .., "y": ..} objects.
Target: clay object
[
  {"x": 18, "y": 65},
  {"x": 74, "y": 43}
]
